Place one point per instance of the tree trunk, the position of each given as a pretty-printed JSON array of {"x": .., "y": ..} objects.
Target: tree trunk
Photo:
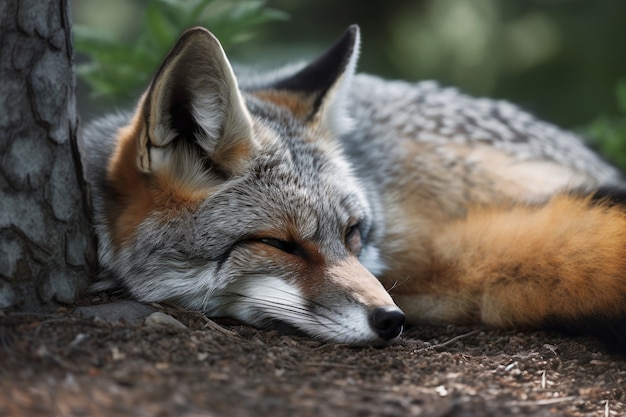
[{"x": 46, "y": 245}]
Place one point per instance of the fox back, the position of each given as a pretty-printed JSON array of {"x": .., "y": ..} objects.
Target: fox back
[{"x": 297, "y": 199}]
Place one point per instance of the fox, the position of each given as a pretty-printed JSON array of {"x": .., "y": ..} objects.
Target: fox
[{"x": 344, "y": 206}]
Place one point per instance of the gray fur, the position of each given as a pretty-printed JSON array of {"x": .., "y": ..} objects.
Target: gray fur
[
  {"x": 202, "y": 258},
  {"x": 387, "y": 112}
]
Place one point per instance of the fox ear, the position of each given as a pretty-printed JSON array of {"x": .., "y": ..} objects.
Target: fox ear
[
  {"x": 318, "y": 89},
  {"x": 194, "y": 100}
]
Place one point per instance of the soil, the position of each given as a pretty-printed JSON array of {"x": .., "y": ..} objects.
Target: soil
[{"x": 123, "y": 359}]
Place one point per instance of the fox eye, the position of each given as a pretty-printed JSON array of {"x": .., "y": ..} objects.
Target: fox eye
[
  {"x": 353, "y": 238},
  {"x": 287, "y": 247}
]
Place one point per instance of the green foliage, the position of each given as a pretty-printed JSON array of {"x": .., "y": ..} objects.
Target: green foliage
[
  {"x": 608, "y": 133},
  {"x": 119, "y": 68}
]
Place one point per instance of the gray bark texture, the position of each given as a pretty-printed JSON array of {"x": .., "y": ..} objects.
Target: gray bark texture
[{"x": 46, "y": 247}]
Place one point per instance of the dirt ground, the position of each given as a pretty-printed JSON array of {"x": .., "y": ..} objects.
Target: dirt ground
[{"x": 112, "y": 360}]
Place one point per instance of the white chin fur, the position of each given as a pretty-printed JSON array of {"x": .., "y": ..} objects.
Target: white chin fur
[{"x": 263, "y": 298}]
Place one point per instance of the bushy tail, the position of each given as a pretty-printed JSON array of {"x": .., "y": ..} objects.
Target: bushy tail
[{"x": 562, "y": 264}]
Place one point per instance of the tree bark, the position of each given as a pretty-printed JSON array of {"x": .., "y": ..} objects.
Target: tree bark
[{"x": 47, "y": 251}]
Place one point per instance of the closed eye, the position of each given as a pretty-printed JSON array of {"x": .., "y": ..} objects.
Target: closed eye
[
  {"x": 353, "y": 238},
  {"x": 291, "y": 248}
]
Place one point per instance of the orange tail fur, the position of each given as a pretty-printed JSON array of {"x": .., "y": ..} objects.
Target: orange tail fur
[{"x": 559, "y": 264}]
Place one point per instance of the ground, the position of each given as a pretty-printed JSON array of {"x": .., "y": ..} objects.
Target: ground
[{"x": 111, "y": 360}]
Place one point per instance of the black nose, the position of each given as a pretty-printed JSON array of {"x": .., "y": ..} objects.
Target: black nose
[{"x": 387, "y": 322}]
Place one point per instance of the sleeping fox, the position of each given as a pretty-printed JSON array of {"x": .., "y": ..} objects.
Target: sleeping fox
[{"x": 343, "y": 205}]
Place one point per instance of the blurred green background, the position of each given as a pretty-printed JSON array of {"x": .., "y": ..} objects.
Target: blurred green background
[{"x": 562, "y": 60}]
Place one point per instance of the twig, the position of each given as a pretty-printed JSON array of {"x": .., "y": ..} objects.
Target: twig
[
  {"x": 547, "y": 401},
  {"x": 210, "y": 324},
  {"x": 331, "y": 365},
  {"x": 448, "y": 342}
]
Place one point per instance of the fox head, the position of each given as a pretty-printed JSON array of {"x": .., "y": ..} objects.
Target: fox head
[{"x": 239, "y": 202}]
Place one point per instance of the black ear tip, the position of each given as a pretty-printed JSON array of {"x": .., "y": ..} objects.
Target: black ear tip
[
  {"x": 352, "y": 32},
  {"x": 353, "y": 29},
  {"x": 348, "y": 43}
]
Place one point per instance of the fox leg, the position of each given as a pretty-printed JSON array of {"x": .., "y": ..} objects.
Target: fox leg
[{"x": 559, "y": 264}]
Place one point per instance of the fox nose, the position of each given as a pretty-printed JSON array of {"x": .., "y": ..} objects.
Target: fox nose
[{"x": 387, "y": 321}]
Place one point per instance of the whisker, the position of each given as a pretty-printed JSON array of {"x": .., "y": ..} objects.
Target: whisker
[
  {"x": 274, "y": 310},
  {"x": 276, "y": 307},
  {"x": 316, "y": 303},
  {"x": 396, "y": 284},
  {"x": 313, "y": 302},
  {"x": 304, "y": 309}
]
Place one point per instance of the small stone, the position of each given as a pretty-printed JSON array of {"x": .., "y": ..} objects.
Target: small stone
[
  {"x": 159, "y": 320},
  {"x": 131, "y": 312}
]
